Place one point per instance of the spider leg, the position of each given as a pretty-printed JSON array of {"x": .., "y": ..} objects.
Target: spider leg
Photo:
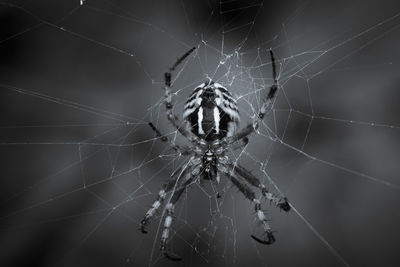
[
  {"x": 173, "y": 119},
  {"x": 167, "y": 187},
  {"x": 280, "y": 202},
  {"x": 249, "y": 194},
  {"x": 163, "y": 138},
  {"x": 167, "y": 225},
  {"x": 156, "y": 205},
  {"x": 183, "y": 150},
  {"x": 265, "y": 108},
  {"x": 238, "y": 145},
  {"x": 169, "y": 215}
]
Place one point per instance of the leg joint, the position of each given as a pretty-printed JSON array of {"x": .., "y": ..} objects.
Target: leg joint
[{"x": 167, "y": 77}]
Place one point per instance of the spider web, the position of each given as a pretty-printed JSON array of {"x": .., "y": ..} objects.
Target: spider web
[{"x": 80, "y": 80}]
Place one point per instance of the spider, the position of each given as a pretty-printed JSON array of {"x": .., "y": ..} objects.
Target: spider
[{"x": 210, "y": 119}]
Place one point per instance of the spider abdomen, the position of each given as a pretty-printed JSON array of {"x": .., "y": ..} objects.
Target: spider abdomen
[{"x": 211, "y": 112}]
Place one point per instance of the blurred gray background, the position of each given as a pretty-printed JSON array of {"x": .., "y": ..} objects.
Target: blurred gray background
[{"x": 80, "y": 166}]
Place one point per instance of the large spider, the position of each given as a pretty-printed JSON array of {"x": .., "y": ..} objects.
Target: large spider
[{"x": 211, "y": 116}]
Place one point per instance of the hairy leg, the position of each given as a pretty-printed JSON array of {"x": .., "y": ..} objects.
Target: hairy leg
[
  {"x": 280, "y": 202},
  {"x": 174, "y": 120},
  {"x": 249, "y": 194},
  {"x": 167, "y": 187},
  {"x": 170, "y": 207},
  {"x": 182, "y": 150},
  {"x": 265, "y": 108}
]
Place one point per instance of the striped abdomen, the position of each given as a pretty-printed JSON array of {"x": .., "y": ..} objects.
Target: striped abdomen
[{"x": 211, "y": 112}]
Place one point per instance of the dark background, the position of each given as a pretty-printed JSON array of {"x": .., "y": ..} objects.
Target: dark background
[{"x": 80, "y": 166}]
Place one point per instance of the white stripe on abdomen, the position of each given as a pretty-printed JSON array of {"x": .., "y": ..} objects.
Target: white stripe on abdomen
[
  {"x": 216, "y": 119},
  {"x": 200, "y": 120}
]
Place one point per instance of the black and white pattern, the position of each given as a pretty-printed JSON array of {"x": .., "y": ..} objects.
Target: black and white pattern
[
  {"x": 211, "y": 111},
  {"x": 211, "y": 116}
]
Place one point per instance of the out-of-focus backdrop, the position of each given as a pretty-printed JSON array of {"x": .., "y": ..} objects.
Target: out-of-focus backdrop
[{"x": 80, "y": 166}]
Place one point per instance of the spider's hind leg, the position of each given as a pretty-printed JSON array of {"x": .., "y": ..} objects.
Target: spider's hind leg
[
  {"x": 270, "y": 239},
  {"x": 150, "y": 213},
  {"x": 165, "y": 234},
  {"x": 167, "y": 187},
  {"x": 279, "y": 201},
  {"x": 249, "y": 194},
  {"x": 168, "y": 220},
  {"x": 154, "y": 208}
]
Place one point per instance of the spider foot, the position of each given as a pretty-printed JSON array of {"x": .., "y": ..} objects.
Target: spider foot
[
  {"x": 284, "y": 204},
  {"x": 281, "y": 203},
  {"x": 269, "y": 240},
  {"x": 169, "y": 255}
]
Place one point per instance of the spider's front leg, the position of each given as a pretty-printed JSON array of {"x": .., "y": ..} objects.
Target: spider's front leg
[
  {"x": 174, "y": 120},
  {"x": 182, "y": 150},
  {"x": 249, "y": 194},
  {"x": 265, "y": 108}
]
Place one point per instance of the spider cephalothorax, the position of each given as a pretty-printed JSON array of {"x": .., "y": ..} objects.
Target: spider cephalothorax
[
  {"x": 211, "y": 117},
  {"x": 210, "y": 165}
]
